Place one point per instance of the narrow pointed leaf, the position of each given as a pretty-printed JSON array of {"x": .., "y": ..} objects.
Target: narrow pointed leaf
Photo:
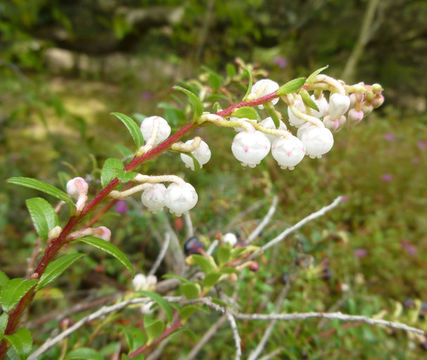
[
  {"x": 3, "y": 279},
  {"x": 291, "y": 86},
  {"x": 160, "y": 301},
  {"x": 13, "y": 292},
  {"x": 132, "y": 127},
  {"x": 43, "y": 216},
  {"x": 22, "y": 342},
  {"x": 84, "y": 354},
  {"x": 249, "y": 89},
  {"x": 154, "y": 330},
  {"x": 313, "y": 75},
  {"x": 56, "y": 268},
  {"x": 196, "y": 103},
  {"x": 110, "y": 249},
  {"x": 308, "y": 100},
  {"x": 41, "y": 186}
]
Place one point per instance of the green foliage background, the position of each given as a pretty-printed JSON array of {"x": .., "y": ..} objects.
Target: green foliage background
[{"x": 65, "y": 65}]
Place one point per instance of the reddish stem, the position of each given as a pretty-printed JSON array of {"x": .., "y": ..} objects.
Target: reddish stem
[
  {"x": 165, "y": 334},
  {"x": 55, "y": 245}
]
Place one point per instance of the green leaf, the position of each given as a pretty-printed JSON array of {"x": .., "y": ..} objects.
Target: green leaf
[
  {"x": 84, "y": 354},
  {"x": 41, "y": 186},
  {"x": 215, "y": 81},
  {"x": 211, "y": 279},
  {"x": 291, "y": 86},
  {"x": 231, "y": 70},
  {"x": 245, "y": 112},
  {"x": 173, "y": 276},
  {"x": 206, "y": 263},
  {"x": 126, "y": 176},
  {"x": 160, "y": 301},
  {"x": 110, "y": 249},
  {"x": 196, "y": 103},
  {"x": 308, "y": 100},
  {"x": 172, "y": 115},
  {"x": 21, "y": 341},
  {"x": 3, "y": 323},
  {"x": 123, "y": 150},
  {"x": 43, "y": 216},
  {"x": 111, "y": 169},
  {"x": 132, "y": 127},
  {"x": 273, "y": 114},
  {"x": 154, "y": 330},
  {"x": 188, "y": 310},
  {"x": 3, "y": 279},
  {"x": 190, "y": 290},
  {"x": 139, "y": 117},
  {"x": 313, "y": 75},
  {"x": 56, "y": 268},
  {"x": 13, "y": 292},
  {"x": 224, "y": 253},
  {"x": 249, "y": 89}
]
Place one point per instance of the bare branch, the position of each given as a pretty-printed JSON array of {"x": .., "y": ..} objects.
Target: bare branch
[
  {"x": 161, "y": 255},
  {"x": 236, "y": 335},
  {"x": 295, "y": 227},
  {"x": 252, "y": 236}
]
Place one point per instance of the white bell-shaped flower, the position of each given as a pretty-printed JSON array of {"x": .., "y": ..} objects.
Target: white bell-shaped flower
[
  {"x": 323, "y": 106},
  {"x": 262, "y": 88},
  {"x": 317, "y": 141},
  {"x": 154, "y": 197},
  {"x": 288, "y": 151},
  {"x": 142, "y": 282},
  {"x": 230, "y": 238},
  {"x": 334, "y": 124},
  {"x": 355, "y": 115},
  {"x": 338, "y": 105},
  {"x": 163, "y": 130},
  {"x": 77, "y": 186},
  {"x": 250, "y": 147},
  {"x": 294, "y": 120},
  {"x": 269, "y": 124},
  {"x": 180, "y": 198},
  {"x": 202, "y": 154}
]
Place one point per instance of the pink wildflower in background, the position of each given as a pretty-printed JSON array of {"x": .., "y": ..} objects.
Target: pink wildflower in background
[
  {"x": 408, "y": 247},
  {"x": 360, "y": 253},
  {"x": 121, "y": 206},
  {"x": 146, "y": 95},
  {"x": 387, "y": 177},
  {"x": 389, "y": 137},
  {"x": 422, "y": 144},
  {"x": 280, "y": 61}
]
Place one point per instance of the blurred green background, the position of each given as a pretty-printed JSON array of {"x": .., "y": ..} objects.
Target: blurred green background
[{"x": 66, "y": 64}]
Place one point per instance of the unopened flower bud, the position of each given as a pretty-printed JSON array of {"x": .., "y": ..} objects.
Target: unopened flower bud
[
  {"x": 77, "y": 186},
  {"x": 269, "y": 124},
  {"x": 102, "y": 232},
  {"x": 142, "y": 282},
  {"x": 377, "y": 101},
  {"x": 338, "y": 105},
  {"x": 294, "y": 120},
  {"x": 262, "y": 88},
  {"x": 250, "y": 147},
  {"x": 254, "y": 266},
  {"x": 180, "y": 198},
  {"x": 288, "y": 152},
  {"x": 317, "y": 141},
  {"x": 230, "y": 238},
  {"x": 323, "y": 106},
  {"x": 54, "y": 233},
  {"x": 355, "y": 115},
  {"x": 147, "y": 127},
  {"x": 154, "y": 197},
  {"x": 333, "y": 124},
  {"x": 202, "y": 154},
  {"x": 193, "y": 246},
  {"x": 367, "y": 108}
]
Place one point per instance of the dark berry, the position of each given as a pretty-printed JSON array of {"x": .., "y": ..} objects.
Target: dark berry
[
  {"x": 254, "y": 266},
  {"x": 326, "y": 274},
  {"x": 193, "y": 246},
  {"x": 409, "y": 303},
  {"x": 285, "y": 279}
]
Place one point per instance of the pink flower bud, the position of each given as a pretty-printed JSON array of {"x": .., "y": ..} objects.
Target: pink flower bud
[
  {"x": 378, "y": 101},
  {"x": 154, "y": 197},
  {"x": 269, "y": 124},
  {"x": 202, "y": 155},
  {"x": 250, "y": 147},
  {"x": 163, "y": 130},
  {"x": 355, "y": 116},
  {"x": 338, "y": 105},
  {"x": 180, "y": 198},
  {"x": 254, "y": 267},
  {"x": 288, "y": 152},
  {"x": 77, "y": 187},
  {"x": 102, "y": 232},
  {"x": 317, "y": 141},
  {"x": 334, "y": 124}
]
